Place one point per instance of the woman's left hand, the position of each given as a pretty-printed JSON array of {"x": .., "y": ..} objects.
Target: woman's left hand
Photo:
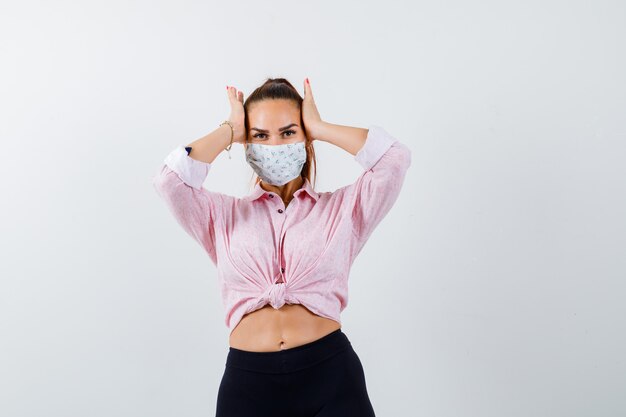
[{"x": 310, "y": 115}]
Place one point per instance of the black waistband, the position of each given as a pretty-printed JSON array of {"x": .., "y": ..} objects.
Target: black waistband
[{"x": 289, "y": 360}]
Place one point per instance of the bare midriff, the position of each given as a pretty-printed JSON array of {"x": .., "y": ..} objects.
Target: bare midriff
[{"x": 268, "y": 329}]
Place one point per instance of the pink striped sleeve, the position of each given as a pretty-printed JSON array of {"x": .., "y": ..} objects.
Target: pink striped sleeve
[
  {"x": 385, "y": 161},
  {"x": 179, "y": 183}
]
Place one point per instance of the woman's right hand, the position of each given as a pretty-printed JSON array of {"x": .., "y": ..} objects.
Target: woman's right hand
[{"x": 237, "y": 114}]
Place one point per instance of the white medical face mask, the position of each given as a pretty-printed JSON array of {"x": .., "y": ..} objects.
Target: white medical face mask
[{"x": 276, "y": 164}]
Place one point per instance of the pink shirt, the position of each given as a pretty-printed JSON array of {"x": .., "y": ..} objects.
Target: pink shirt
[{"x": 300, "y": 254}]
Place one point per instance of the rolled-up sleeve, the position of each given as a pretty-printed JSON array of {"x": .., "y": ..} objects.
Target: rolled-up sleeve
[
  {"x": 179, "y": 183},
  {"x": 385, "y": 161}
]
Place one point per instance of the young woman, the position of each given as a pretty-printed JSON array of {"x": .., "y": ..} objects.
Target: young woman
[{"x": 284, "y": 251}]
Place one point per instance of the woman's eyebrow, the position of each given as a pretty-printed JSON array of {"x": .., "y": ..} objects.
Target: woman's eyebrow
[{"x": 280, "y": 130}]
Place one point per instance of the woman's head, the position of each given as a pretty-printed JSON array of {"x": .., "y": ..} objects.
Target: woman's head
[{"x": 273, "y": 116}]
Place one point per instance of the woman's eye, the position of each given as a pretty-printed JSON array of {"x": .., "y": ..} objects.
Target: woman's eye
[{"x": 293, "y": 132}]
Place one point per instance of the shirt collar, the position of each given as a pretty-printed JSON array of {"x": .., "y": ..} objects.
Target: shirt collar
[{"x": 258, "y": 191}]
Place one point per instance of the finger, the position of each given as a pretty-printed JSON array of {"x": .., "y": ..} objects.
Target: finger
[{"x": 307, "y": 87}]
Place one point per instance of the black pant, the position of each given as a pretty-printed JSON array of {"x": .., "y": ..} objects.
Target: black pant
[{"x": 323, "y": 378}]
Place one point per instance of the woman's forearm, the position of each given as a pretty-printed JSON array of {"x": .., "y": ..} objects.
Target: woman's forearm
[
  {"x": 212, "y": 144},
  {"x": 350, "y": 139}
]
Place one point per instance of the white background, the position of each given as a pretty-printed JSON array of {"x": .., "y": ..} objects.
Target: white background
[{"x": 494, "y": 287}]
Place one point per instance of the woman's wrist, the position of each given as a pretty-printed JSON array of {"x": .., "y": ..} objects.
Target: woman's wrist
[
  {"x": 318, "y": 131},
  {"x": 349, "y": 138},
  {"x": 238, "y": 132}
]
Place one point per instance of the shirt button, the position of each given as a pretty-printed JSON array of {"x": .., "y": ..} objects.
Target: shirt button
[
  {"x": 271, "y": 196},
  {"x": 282, "y": 269},
  {"x": 280, "y": 210}
]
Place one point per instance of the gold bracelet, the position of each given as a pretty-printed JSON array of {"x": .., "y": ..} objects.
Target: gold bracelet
[{"x": 232, "y": 134}]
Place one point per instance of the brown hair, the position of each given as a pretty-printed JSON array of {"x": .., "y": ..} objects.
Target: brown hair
[{"x": 280, "y": 88}]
